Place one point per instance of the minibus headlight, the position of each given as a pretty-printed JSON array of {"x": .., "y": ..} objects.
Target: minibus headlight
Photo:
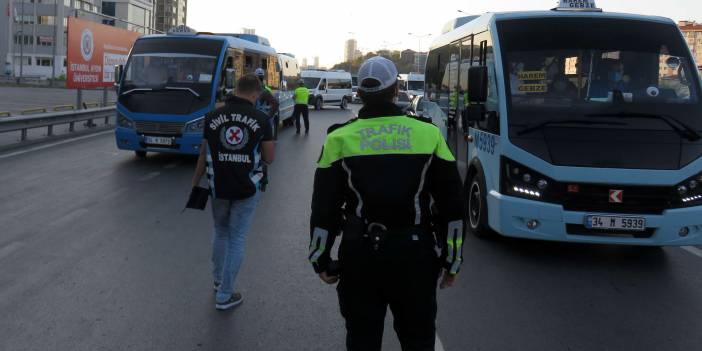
[
  {"x": 689, "y": 192},
  {"x": 124, "y": 122},
  {"x": 520, "y": 181},
  {"x": 195, "y": 126}
]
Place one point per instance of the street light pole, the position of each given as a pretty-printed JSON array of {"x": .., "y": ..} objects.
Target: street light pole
[
  {"x": 419, "y": 47},
  {"x": 21, "y": 40},
  {"x": 53, "y": 59}
]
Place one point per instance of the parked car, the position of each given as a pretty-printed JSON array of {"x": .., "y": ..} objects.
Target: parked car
[
  {"x": 416, "y": 107},
  {"x": 403, "y": 100},
  {"x": 354, "y": 96}
]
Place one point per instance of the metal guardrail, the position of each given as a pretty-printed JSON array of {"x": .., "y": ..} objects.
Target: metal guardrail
[
  {"x": 32, "y": 111},
  {"x": 49, "y": 120},
  {"x": 64, "y": 108}
]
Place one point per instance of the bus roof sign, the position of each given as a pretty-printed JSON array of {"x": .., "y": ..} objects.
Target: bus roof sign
[
  {"x": 577, "y": 5},
  {"x": 182, "y": 30}
]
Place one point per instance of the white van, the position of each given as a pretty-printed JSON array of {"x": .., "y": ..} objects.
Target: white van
[
  {"x": 328, "y": 88},
  {"x": 415, "y": 84}
]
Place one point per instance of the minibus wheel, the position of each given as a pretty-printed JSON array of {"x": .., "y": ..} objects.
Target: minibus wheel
[
  {"x": 344, "y": 104},
  {"x": 477, "y": 216},
  {"x": 140, "y": 154},
  {"x": 318, "y": 104}
]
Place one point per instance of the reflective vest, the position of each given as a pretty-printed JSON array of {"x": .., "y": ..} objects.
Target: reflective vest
[{"x": 302, "y": 96}]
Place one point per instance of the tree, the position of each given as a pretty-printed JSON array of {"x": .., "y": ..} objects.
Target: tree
[{"x": 403, "y": 60}]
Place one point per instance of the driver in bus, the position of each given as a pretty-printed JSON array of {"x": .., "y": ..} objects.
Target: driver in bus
[{"x": 615, "y": 80}]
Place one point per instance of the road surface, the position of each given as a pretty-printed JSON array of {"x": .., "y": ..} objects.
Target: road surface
[{"x": 96, "y": 255}]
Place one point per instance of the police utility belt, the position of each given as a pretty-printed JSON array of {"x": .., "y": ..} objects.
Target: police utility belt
[{"x": 357, "y": 229}]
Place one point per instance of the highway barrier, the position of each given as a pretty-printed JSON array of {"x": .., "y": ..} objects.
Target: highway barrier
[
  {"x": 32, "y": 111},
  {"x": 64, "y": 108},
  {"x": 49, "y": 120}
]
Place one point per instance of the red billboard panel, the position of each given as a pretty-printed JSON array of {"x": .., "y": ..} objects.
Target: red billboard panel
[{"x": 93, "y": 51}]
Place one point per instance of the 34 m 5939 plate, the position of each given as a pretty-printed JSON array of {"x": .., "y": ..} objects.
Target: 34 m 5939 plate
[{"x": 635, "y": 224}]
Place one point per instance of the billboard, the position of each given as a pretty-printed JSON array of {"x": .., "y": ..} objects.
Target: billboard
[{"x": 93, "y": 51}]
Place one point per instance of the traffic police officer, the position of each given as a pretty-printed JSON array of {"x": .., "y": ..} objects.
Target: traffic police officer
[
  {"x": 375, "y": 180},
  {"x": 302, "y": 97}
]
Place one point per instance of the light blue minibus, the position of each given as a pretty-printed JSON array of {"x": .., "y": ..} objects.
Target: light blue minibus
[{"x": 573, "y": 125}]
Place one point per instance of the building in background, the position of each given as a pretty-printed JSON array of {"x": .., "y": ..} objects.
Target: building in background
[
  {"x": 248, "y": 30},
  {"x": 169, "y": 14},
  {"x": 316, "y": 62},
  {"x": 138, "y": 14},
  {"x": 693, "y": 35},
  {"x": 420, "y": 60},
  {"x": 34, "y": 32},
  {"x": 351, "y": 50}
]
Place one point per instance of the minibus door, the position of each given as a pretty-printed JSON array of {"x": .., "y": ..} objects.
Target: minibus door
[
  {"x": 463, "y": 99},
  {"x": 454, "y": 92}
]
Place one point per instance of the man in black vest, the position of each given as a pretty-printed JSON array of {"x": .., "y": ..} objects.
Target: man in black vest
[{"x": 238, "y": 140}]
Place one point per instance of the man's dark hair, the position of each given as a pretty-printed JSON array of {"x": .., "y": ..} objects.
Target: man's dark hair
[
  {"x": 377, "y": 97},
  {"x": 248, "y": 84},
  {"x": 301, "y": 83}
]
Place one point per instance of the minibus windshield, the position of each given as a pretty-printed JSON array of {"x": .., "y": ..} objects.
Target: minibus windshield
[
  {"x": 311, "y": 83},
  {"x": 560, "y": 68},
  {"x": 415, "y": 85},
  {"x": 170, "y": 74}
]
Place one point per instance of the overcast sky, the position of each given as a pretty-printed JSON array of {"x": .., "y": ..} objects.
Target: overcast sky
[{"x": 320, "y": 28}]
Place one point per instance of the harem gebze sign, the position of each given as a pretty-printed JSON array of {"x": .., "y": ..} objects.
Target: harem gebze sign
[
  {"x": 93, "y": 51},
  {"x": 577, "y": 4}
]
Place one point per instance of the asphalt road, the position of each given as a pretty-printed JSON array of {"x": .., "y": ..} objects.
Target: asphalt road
[{"x": 95, "y": 255}]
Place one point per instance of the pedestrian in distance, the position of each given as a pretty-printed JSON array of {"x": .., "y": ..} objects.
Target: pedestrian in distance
[
  {"x": 302, "y": 97},
  {"x": 237, "y": 142},
  {"x": 375, "y": 181}
]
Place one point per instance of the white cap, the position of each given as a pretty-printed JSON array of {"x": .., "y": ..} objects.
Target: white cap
[
  {"x": 380, "y": 70},
  {"x": 260, "y": 72}
]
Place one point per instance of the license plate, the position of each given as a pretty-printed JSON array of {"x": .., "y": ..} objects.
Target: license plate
[
  {"x": 636, "y": 224},
  {"x": 158, "y": 140}
]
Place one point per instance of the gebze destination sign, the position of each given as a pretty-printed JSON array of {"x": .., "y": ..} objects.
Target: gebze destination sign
[{"x": 577, "y": 4}]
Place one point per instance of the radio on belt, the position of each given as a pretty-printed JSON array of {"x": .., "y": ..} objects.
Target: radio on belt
[{"x": 577, "y": 5}]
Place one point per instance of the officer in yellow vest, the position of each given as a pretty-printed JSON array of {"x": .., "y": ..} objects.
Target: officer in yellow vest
[{"x": 302, "y": 96}]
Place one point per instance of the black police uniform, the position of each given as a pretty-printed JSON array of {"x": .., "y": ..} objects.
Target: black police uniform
[{"x": 375, "y": 180}]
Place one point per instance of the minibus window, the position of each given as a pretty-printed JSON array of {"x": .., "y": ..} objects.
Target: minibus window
[{"x": 597, "y": 66}]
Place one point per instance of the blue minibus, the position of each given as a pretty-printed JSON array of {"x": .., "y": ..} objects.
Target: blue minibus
[
  {"x": 172, "y": 80},
  {"x": 573, "y": 125}
]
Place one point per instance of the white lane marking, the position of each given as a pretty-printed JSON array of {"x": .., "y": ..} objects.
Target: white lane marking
[
  {"x": 46, "y": 146},
  {"x": 693, "y": 250},
  {"x": 438, "y": 346},
  {"x": 10, "y": 248},
  {"x": 171, "y": 165},
  {"x": 149, "y": 176}
]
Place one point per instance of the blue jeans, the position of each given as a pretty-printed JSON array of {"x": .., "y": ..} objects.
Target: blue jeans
[{"x": 232, "y": 221}]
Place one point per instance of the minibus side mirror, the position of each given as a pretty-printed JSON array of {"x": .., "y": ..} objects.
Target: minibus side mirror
[
  {"x": 118, "y": 74},
  {"x": 474, "y": 113},
  {"x": 229, "y": 78},
  {"x": 478, "y": 84}
]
